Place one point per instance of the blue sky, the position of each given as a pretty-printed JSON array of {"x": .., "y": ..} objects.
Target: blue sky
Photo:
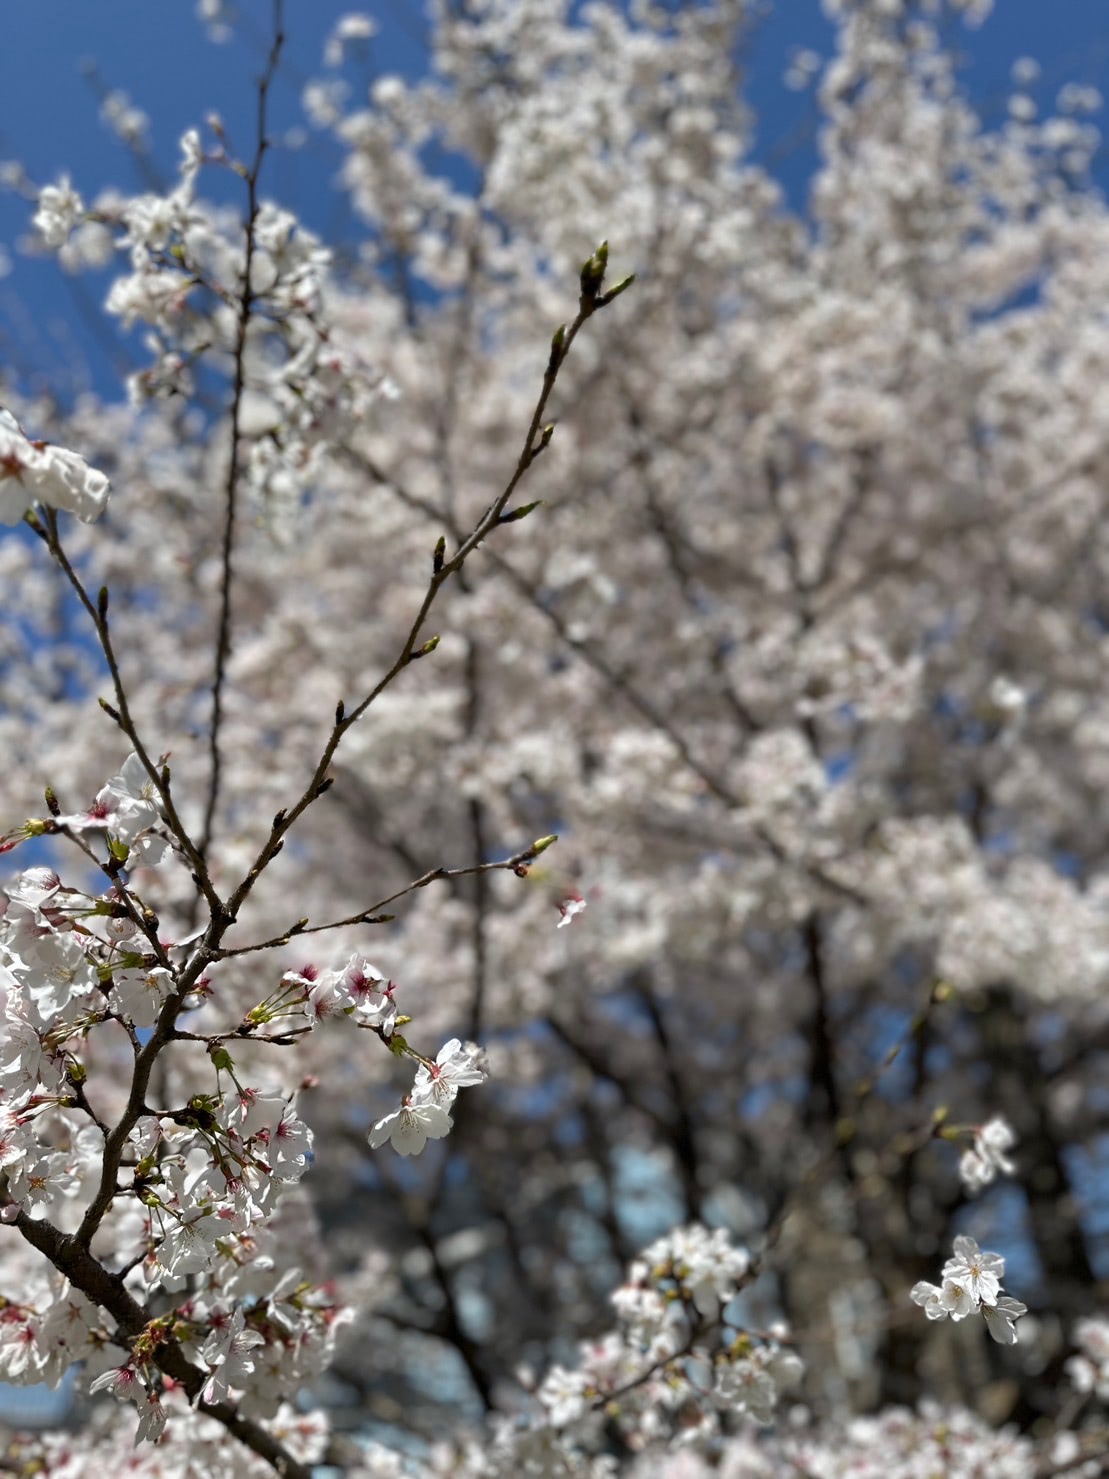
[{"x": 159, "y": 55}]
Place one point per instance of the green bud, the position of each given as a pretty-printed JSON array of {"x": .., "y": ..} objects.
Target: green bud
[
  {"x": 845, "y": 1130},
  {"x": 221, "y": 1058},
  {"x": 593, "y": 274},
  {"x": 615, "y": 292},
  {"x": 558, "y": 349},
  {"x": 519, "y": 513},
  {"x": 428, "y": 647}
]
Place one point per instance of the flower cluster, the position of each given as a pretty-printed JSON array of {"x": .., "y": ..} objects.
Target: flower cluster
[
  {"x": 972, "y": 1281},
  {"x": 679, "y": 1358},
  {"x": 307, "y": 385},
  {"x": 424, "y": 1113},
  {"x": 192, "y": 1188},
  {"x": 195, "y": 1187},
  {"x": 358, "y": 991},
  {"x": 127, "y": 809},
  {"x": 190, "y": 1443},
  {"x": 896, "y": 1443}
]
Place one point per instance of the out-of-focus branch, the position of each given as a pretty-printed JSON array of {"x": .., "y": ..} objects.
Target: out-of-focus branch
[{"x": 246, "y": 302}]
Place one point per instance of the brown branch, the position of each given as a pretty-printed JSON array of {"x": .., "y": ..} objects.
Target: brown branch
[
  {"x": 518, "y": 863},
  {"x": 72, "y": 1258},
  {"x": 536, "y": 440},
  {"x": 121, "y": 714},
  {"x": 246, "y": 303}
]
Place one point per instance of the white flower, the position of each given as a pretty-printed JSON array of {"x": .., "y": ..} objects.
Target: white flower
[
  {"x": 60, "y": 209},
  {"x": 139, "y": 995},
  {"x": 192, "y": 156},
  {"x": 228, "y": 1352},
  {"x": 38, "y": 1182},
  {"x": 58, "y": 977},
  {"x": 152, "y": 1418},
  {"x": 979, "y": 1166},
  {"x": 454, "y": 1068},
  {"x": 352, "y": 27},
  {"x": 709, "y": 1266},
  {"x": 122, "y": 1381},
  {"x": 37, "y": 471},
  {"x": 748, "y": 1389},
  {"x": 563, "y": 1395},
  {"x": 137, "y": 804},
  {"x": 1090, "y": 1370},
  {"x": 219, "y": 17},
  {"x": 993, "y": 1140},
  {"x": 411, "y": 1126},
  {"x": 979, "y": 1273},
  {"x": 290, "y": 1145},
  {"x": 370, "y": 992},
  {"x": 128, "y": 122},
  {"x": 1001, "y": 1318},
  {"x": 570, "y": 907},
  {"x": 930, "y": 1297},
  {"x": 952, "y": 1299},
  {"x": 972, "y": 1281}
]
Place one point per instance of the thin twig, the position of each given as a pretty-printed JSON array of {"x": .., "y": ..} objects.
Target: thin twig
[
  {"x": 246, "y": 303},
  {"x": 121, "y": 714},
  {"x": 372, "y": 913},
  {"x": 536, "y": 440}
]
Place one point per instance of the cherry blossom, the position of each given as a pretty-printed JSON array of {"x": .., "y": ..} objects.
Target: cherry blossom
[
  {"x": 36, "y": 471},
  {"x": 979, "y": 1166},
  {"x": 454, "y": 1068},
  {"x": 972, "y": 1282},
  {"x": 771, "y": 582},
  {"x": 409, "y": 1128}
]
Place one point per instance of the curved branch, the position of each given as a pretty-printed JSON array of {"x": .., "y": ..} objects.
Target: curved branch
[{"x": 106, "y": 1290}]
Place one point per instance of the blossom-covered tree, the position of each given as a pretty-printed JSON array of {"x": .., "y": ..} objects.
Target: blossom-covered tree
[{"x": 745, "y": 619}]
